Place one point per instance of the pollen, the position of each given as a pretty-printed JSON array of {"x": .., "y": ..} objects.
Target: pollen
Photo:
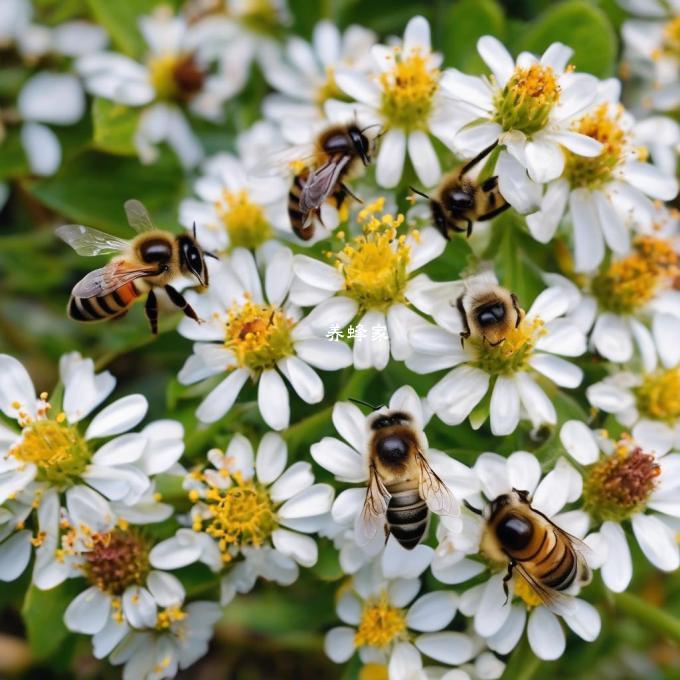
[
  {"x": 658, "y": 397},
  {"x": 259, "y": 335},
  {"x": 408, "y": 91},
  {"x": 175, "y": 77},
  {"x": 328, "y": 89},
  {"x": 166, "y": 617},
  {"x": 671, "y": 38},
  {"x": 525, "y": 592},
  {"x": 628, "y": 284},
  {"x": 604, "y": 126},
  {"x": 527, "y": 99},
  {"x": 618, "y": 486},
  {"x": 57, "y": 449},
  {"x": 375, "y": 263},
  {"x": 244, "y": 220},
  {"x": 373, "y": 671},
  {"x": 380, "y": 624}
]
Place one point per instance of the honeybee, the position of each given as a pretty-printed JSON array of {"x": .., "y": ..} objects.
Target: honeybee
[
  {"x": 402, "y": 487},
  {"x": 549, "y": 559},
  {"x": 459, "y": 201},
  {"x": 488, "y": 311},
  {"x": 339, "y": 148},
  {"x": 153, "y": 259}
]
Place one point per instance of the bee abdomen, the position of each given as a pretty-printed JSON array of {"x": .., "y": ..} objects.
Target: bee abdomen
[
  {"x": 103, "y": 307},
  {"x": 408, "y": 516}
]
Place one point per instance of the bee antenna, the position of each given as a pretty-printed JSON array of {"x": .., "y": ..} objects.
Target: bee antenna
[
  {"x": 365, "y": 403},
  {"x": 194, "y": 228},
  {"x": 368, "y": 127},
  {"x": 482, "y": 154},
  {"x": 420, "y": 193},
  {"x": 207, "y": 254},
  {"x": 472, "y": 508}
]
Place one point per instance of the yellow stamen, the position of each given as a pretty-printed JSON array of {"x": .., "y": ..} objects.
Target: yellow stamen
[
  {"x": 659, "y": 395},
  {"x": 526, "y": 593},
  {"x": 244, "y": 220},
  {"x": 671, "y": 38},
  {"x": 380, "y": 624},
  {"x": 166, "y": 617},
  {"x": 328, "y": 89}
]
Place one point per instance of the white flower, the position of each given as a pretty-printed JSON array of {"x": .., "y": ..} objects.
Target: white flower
[
  {"x": 498, "y": 620},
  {"x": 304, "y": 73},
  {"x": 508, "y": 370},
  {"x": 251, "y": 507},
  {"x": 527, "y": 105},
  {"x": 403, "y": 96},
  {"x": 605, "y": 196},
  {"x": 661, "y": 135},
  {"x": 623, "y": 481},
  {"x": 385, "y": 630},
  {"x": 372, "y": 279},
  {"x": 51, "y": 456},
  {"x": 249, "y": 333}
]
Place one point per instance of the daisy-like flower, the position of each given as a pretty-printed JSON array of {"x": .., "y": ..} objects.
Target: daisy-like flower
[
  {"x": 253, "y": 334},
  {"x": 506, "y": 373},
  {"x": 372, "y": 279},
  {"x": 623, "y": 482},
  {"x": 175, "y": 75},
  {"x": 604, "y": 195},
  {"x": 498, "y": 620},
  {"x": 527, "y": 105},
  {"x": 403, "y": 96},
  {"x": 304, "y": 74},
  {"x": 350, "y": 461},
  {"x": 249, "y": 507},
  {"x": 386, "y": 631},
  {"x": 234, "y": 209},
  {"x": 51, "y": 456}
]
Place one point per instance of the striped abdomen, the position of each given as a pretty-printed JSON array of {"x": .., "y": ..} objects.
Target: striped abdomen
[
  {"x": 297, "y": 217},
  {"x": 407, "y": 517},
  {"x": 105, "y": 307}
]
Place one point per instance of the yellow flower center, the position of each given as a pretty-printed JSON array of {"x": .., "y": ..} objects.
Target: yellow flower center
[
  {"x": 166, "y": 617},
  {"x": 175, "y": 77},
  {"x": 260, "y": 16},
  {"x": 513, "y": 353},
  {"x": 245, "y": 221},
  {"x": 526, "y": 592},
  {"x": 258, "y": 335},
  {"x": 604, "y": 127},
  {"x": 659, "y": 395},
  {"x": 626, "y": 285},
  {"x": 329, "y": 89},
  {"x": 408, "y": 91},
  {"x": 57, "y": 449},
  {"x": 374, "y": 264},
  {"x": 527, "y": 99},
  {"x": 373, "y": 671},
  {"x": 618, "y": 486},
  {"x": 241, "y": 515},
  {"x": 671, "y": 38},
  {"x": 380, "y": 624}
]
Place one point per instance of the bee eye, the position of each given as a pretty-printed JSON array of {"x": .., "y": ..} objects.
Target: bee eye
[
  {"x": 514, "y": 532},
  {"x": 491, "y": 314},
  {"x": 193, "y": 258},
  {"x": 460, "y": 200},
  {"x": 392, "y": 449}
]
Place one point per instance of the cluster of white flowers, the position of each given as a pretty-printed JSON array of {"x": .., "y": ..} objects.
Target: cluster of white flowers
[{"x": 579, "y": 170}]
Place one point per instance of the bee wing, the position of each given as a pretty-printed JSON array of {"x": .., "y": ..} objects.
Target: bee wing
[
  {"x": 281, "y": 163},
  {"x": 372, "y": 516},
  {"x": 433, "y": 490},
  {"x": 551, "y": 598},
  {"x": 109, "y": 278},
  {"x": 89, "y": 242},
  {"x": 321, "y": 184},
  {"x": 138, "y": 216}
]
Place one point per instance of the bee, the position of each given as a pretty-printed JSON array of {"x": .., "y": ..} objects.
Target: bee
[
  {"x": 459, "y": 201},
  {"x": 339, "y": 148},
  {"x": 488, "y": 311},
  {"x": 549, "y": 559},
  {"x": 402, "y": 487},
  {"x": 153, "y": 259}
]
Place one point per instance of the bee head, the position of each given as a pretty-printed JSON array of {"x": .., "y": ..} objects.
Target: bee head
[
  {"x": 191, "y": 259},
  {"x": 360, "y": 143},
  {"x": 460, "y": 200},
  {"x": 384, "y": 420},
  {"x": 491, "y": 313}
]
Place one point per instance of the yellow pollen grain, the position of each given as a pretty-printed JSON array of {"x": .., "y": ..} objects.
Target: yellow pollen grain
[{"x": 526, "y": 593}]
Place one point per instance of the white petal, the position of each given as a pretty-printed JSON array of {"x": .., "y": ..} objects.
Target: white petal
[
  {"x": 222, "y": 397},
  {"x": 350, "y": 423},
  {"x": 165, "y": 588},
  {"x": 15, "y": 386},
  {"x": 612, "y": 339},
  {"x": 301, "y": 548},
  {"x": 303, "y": 378},
  {"x": 449, "y": 648},
  {"x": 139, "y": 607},
  {"x": 339, "y": 459},
  {"x": 89, "y": 612},
  {"x": 118, "y": 417},
  {"x": 124, "y": 449},
  {"x": 278, "y": 276},
  {"x": 561, "y": 372},
  {"x": 339, "y": 644},
  {"x": 271, "y": 458},
  {"x": 348, "y": 504},
  {"x": 42, "y": 148},
  {"x": 545, "y": 160},
  {"x": 390, "y": 161},
  {"x": 506, "y": 639},
  {"x": 588, "y": 239},
  {"x": 295, "y": 479},
  {"x": 617, "y": 569},
  {"x": 657, "y": 541},
  {"x": 324, "y": 354},
  {"x": 524, "y": 471},
  {"x": 652, "y": 181},
  {"x": 55, "y": 98},
  {"x": 397, "y": 562},
  {"x": 432, "y": 611},
  {"x": 545, "y": 634},
  {"x": 583, "y": 619},
  {"x": 493, "y": 611},
  {"x": 535, "y": 401},
  {"x": 316, "y": 500},
  {"x": 579, "y": 441},
  {"x": 179, "y": 551},
  {"x": 666, "y": 331},
  {"x": 15, "y": 553},
  {"x": 497, "y": 58},
  {"x": 423, "y": 157},
  {"x": 272, "y": 400},
  {"x": 614, "y": 230}
]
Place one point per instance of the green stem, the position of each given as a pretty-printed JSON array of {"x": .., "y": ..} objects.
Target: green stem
[
  {"x": 522, "y": 664},
  {"x": 649, "y": 615}
]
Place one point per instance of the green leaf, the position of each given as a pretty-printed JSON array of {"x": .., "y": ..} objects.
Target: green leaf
[
  {"x": 13, "y": 160},
  {"x": 464, "y": 23},
  {"x": 580, "y": 25},
  {"x": 328, "y": 566},
  {"x": 114, "y": 127}
]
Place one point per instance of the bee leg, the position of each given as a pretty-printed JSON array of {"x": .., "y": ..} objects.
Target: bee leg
[
  {"x": 465, "y": 333},
  {"x": 151, "y": 311},
  {"x": 469, "y": 227},
  {"x": 506, "y": 578},
  {"x": 515, "y": 306},
  {"x": 490, "y": 215},
  {"x": 472, "y": 508},
  {"x": 494, "y": 344},
  {"x": 347, "y": 190},
  {"x": 180, "y": 301}
]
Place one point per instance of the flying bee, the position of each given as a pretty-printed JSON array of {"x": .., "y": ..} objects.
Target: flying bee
[
  {"x": 402, "y": 487},
  {"x": 549, "y": 559},
  {"x": 153, "y": 259},
  {"x": 488, "y": 311},
  {"x": 459, "y": 201},
  {"x": 338, "y": 151}
]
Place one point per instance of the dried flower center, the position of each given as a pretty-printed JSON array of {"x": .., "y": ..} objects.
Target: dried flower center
[
  {"x": 618, "y": 486},
  {"x": 380, "y": 624},
  {"x": 525, "y": 592},
  {"x": 408, "y": 91},
  {"x": 628, "y": 284},
  {"x": 241, "y": 515},
  {"x": 513, "y": 353},
  {"x": 375, "y": 263},
  {"x": 57, "y": 449},
  {"x": 527, "y": 99},
  {"x": 117, "y": 560},
  {"x": 258, "y": 335},
  {"x": 659, "y": 395},
  {"x": 604, "y": 127},
  {"x": 671, "y": 38},
  {"x": 245, "y": 221},
  {"x": 176, "y": 77}
]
